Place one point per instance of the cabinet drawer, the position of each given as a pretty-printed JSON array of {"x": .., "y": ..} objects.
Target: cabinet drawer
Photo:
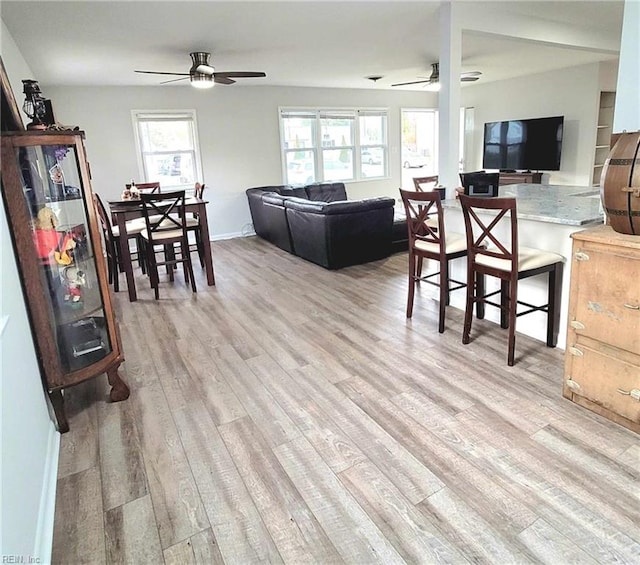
[
  {"x": 606, "y": 287},
  {"x": 603, "y": 378}
]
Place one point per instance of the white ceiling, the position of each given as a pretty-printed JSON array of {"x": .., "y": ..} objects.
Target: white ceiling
[{"x": 300, "y": 43}]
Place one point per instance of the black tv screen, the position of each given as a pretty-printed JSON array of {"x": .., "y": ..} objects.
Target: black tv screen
[{"x": 534, "y": 144}]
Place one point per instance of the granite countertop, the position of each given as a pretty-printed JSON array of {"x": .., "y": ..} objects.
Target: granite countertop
[{"x": 556, "y": 204}]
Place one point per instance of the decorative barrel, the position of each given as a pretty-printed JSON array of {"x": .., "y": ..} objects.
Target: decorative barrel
[{"x": 620, "y": 184}]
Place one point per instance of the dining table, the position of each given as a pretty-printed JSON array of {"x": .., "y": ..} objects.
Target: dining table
[{"x": 125, "y": 210}]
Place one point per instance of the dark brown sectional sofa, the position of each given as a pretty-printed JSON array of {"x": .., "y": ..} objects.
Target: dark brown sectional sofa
[{"x": 318, "y": 223}]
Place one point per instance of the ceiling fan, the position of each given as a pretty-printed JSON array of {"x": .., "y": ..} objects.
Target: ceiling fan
[
  {"x": 203, "y": 75},
  {"x": 434, "y": 79}
]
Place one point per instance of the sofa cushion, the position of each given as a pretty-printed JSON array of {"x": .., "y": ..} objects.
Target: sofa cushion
[
  {"x": 273, "y": 198},
  {"x": 326, "y": 192},
  {"x": 298, "y": 192}
]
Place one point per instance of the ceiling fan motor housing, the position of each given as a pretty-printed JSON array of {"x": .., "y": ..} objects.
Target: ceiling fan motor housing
[{"x": 201, "y": 64}]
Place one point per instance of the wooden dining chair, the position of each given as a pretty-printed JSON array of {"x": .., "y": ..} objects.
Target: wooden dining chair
[
  {"x": 152, "y": 187},
  {"x": 166, "y": 229},
  {"x": 111, "y": 236},
  {"x": 193, "y": 225},
  {"x": 429, "y": 241},
  {"x": 493, "y": 249}
]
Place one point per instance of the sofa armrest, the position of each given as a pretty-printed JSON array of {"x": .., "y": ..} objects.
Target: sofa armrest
[{"x": 269, "y": 217}]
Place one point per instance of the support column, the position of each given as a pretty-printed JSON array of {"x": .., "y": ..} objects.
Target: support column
[{"x": 449, "y": 98}]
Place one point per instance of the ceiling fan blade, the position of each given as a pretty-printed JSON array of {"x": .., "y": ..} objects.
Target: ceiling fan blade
[
  {"x": 161, "y": 73},
  {"x": 222, "y": 79},
  {"x": 412, "y": 82},
  {"x": 471, "y": 74},
  {"x": 468, "y": 79},
  {"x": 173, "y": 80},
  {"x": 240, "y": 74}
]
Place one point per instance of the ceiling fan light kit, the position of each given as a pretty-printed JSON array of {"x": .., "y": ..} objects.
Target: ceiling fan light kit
[{"x": 201, "y": 80}]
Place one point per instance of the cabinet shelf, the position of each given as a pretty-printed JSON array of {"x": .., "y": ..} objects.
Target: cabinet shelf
[{"x": 604, "y": 127}]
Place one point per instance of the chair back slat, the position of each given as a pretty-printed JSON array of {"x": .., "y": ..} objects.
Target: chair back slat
[
  {"x": 419, "y": 208},
  {"x": 146, "y": 186},
  {"x": 420, "y": 182},
  {"x": 199, "y": 190},
  {"x": 160, "y": 209},
  {"x": 105, "y": 222},
  {"x": 497, "y": 237}
]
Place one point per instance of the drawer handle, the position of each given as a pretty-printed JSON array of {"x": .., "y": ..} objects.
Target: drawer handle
[
  {"x": 577, "y": 325},
  {"x": 573, "y": 385},
  {"x": 632, "y": 306},
  {"x": 575, "y": 351},
  {"x": 581, "y": 256},
  {"x": 633, "y": 393}
]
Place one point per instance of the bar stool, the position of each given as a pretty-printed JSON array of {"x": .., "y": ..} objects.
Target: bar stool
[
  {"x": 419, "y": 182},
  {"x": 428, "y": 240},
  {"x": 487, "y": 254}
]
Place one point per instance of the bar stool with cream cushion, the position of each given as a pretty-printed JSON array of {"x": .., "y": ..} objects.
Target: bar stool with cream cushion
[
  {"x": 423, "y": 184},
  {"x": 427, "y": 241},
  {"x": 493, "y": 250}
]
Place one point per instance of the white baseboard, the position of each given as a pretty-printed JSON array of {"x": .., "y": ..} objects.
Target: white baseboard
[
  {"x": 232, "y": 235},
  {"x": 46, "y": 513}
]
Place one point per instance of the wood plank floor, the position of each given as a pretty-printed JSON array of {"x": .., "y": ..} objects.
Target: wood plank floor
[{"x": 294, "y": 415}]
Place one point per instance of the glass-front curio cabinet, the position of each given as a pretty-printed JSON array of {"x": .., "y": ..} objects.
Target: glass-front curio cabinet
[{"x": 56, "y": 239}]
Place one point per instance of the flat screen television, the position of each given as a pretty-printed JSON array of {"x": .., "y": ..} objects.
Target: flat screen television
[{"x": 533, "y": 144}]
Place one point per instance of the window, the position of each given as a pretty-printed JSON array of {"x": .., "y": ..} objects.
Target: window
[
  {"x": 333, "y": 145},
  {"x": 167, "y": 146},
  {"x": 419, "y": 140}
]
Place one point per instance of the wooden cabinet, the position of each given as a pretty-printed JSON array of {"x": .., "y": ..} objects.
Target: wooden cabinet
[
  {"x": 520, "y": 178},
  {"x": 603, "y": 134},
  {"x": 56, "y": 240},
  {"x": 602, "y": 361}
]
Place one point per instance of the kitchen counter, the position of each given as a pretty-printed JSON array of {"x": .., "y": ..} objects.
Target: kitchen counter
[{"x": 555, "y": 204}]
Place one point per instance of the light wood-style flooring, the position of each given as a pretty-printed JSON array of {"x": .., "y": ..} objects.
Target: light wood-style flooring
[{"x": 294, "y": 415}]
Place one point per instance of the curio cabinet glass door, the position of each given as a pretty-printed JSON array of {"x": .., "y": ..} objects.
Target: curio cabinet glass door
[{"x": 47, "y": 194}]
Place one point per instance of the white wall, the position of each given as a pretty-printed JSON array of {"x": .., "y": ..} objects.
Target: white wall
[
  {"x": 572, "y": 93},
  {"x": 239, "y": 134},
  {"x": 29, "y": 444},
  {"x": 627, "y": 111}
]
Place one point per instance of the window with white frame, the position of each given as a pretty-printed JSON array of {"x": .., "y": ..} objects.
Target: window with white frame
[
  {"x": 333, "y": 145},
  {"x": 167, "y": 145}
]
